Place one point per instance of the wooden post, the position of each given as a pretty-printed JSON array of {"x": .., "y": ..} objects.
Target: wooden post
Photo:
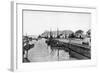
[
  {"x": 58, "y": 54},
  {"x": 69, "y": 47}
]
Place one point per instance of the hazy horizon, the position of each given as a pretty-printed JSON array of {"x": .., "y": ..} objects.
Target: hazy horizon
[{"x": 37, "y": 22}]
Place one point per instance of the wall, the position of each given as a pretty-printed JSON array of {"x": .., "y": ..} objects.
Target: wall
[{"x": 5, "y": 35}]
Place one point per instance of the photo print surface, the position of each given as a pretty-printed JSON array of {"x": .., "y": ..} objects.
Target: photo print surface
[{"x": 56, "y": 36}]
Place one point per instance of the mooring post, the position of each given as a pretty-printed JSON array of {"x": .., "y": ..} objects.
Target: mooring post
[
  {"x": 58, "y": 53},
  {"x": 69, "y": 46}
]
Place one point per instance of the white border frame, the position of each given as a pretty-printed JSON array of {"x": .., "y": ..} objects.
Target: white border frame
[{"x": 16, "y": 61}]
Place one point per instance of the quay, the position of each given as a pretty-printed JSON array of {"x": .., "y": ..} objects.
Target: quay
[{"x": 78, "y": 51}]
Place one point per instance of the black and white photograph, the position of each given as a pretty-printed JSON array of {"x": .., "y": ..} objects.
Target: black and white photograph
[{"x": 56, "y": 36}]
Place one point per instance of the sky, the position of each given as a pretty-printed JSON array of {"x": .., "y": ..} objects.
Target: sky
[{"x": 36, "y": 22}]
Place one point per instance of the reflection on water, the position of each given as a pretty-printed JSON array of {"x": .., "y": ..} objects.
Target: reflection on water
[{"x": 42, "y": 52}]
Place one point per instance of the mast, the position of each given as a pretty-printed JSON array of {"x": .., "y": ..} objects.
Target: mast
[
  {"x": 50, "y": 33},
  {"x": 57, "y": 32}
]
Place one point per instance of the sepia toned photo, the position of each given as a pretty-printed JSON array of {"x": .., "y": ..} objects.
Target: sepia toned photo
[{"x": 55, "y": 36}]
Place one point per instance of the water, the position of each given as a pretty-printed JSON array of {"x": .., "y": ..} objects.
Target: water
[{"x": 41, "y": 52}]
